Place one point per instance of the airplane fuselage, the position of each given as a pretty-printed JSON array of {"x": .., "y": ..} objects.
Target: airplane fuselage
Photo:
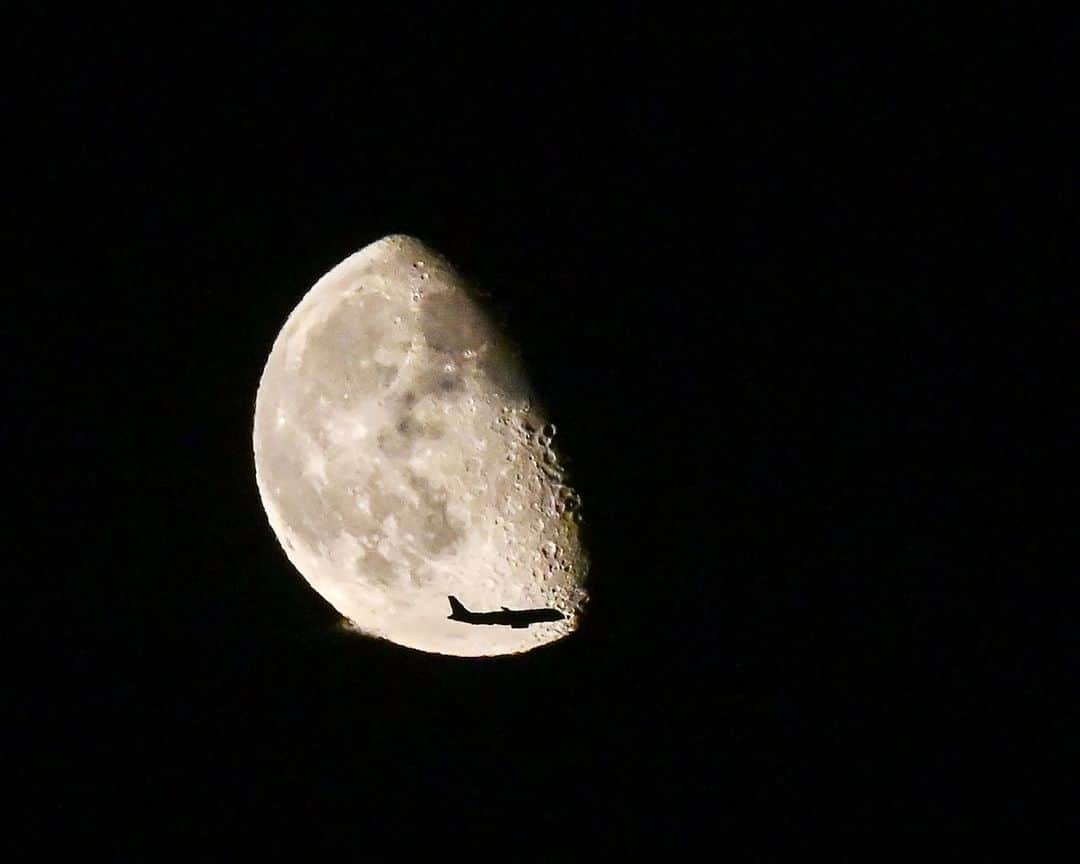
[{"x": 516, "y": 618}]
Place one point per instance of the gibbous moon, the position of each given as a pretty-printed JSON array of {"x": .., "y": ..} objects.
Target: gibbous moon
[{"x": 402, "y": 458}]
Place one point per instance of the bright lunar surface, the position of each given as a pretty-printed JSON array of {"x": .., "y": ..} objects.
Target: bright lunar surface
[{"x": 401, "y": 458}]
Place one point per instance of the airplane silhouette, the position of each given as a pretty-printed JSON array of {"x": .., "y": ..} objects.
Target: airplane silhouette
[{"x": 516, "y": 618}]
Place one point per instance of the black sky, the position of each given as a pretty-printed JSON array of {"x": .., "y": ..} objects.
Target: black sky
[{"x": 794, "y": 289}]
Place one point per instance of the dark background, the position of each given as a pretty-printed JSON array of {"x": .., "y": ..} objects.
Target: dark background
[{"x": 794, "y": 288}]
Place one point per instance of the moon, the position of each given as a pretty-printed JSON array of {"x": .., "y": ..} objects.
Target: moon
[{"x": 402, "y": 457}]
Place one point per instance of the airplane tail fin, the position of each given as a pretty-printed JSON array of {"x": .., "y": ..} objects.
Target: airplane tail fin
[{"x": 456, "y": 607}]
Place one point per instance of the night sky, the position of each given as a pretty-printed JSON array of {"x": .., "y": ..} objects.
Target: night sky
[{"x": 792, "y": 288}]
